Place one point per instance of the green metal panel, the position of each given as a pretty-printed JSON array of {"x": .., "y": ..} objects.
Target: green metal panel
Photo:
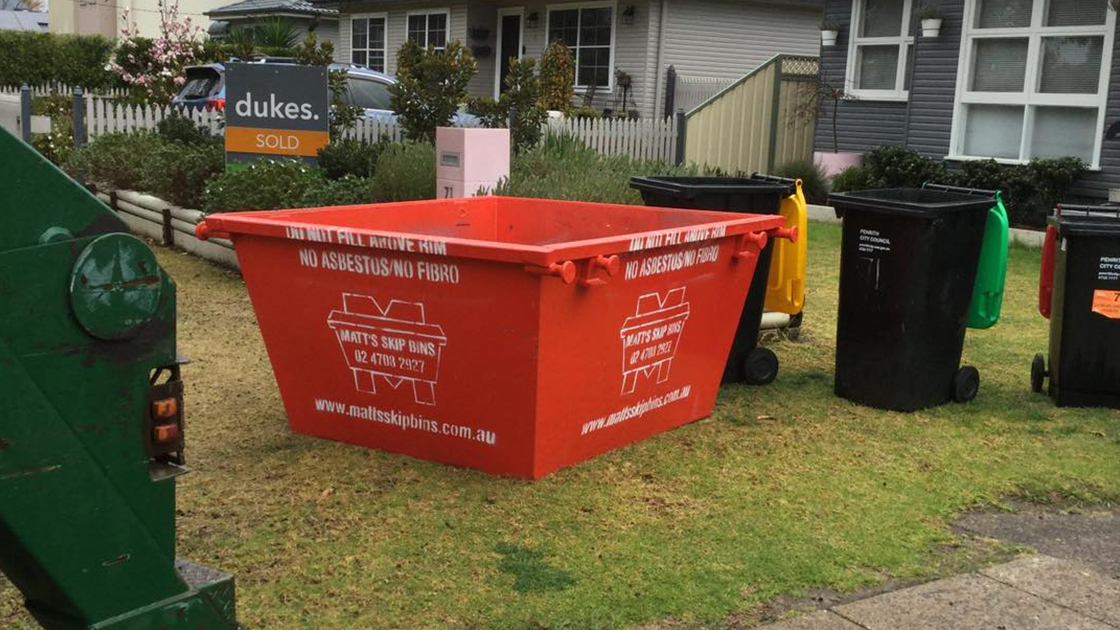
[{"x": 87, "y": 522}]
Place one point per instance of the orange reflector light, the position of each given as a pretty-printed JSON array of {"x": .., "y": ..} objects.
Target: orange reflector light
[
  {"x": 166, "y": 433},
  {"x": 165, "y": 408}
]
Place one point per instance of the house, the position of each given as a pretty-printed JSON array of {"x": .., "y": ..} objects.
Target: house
[
  {"x": 15, "y": 15},
  {"x": 641, "y": 38},
  {"x": 108, "y": 17},
  {"x": 301, "y": 14},
  {"x": 1010, "y": 80}
]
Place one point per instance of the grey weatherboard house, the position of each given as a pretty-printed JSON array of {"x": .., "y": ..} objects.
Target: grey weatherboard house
[
  {"x": 1005, "y": 79},
  {"x": 720, "y": 39}
]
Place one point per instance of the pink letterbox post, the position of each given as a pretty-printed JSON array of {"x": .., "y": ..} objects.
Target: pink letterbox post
[{"x": 468, "y": 160}]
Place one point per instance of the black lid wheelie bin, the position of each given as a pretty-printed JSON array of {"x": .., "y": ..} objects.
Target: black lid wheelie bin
[
  {"x": 758, "y": 194},
  {"x": 908, "y": 265},
  {"x": 1080, "y": 293}
]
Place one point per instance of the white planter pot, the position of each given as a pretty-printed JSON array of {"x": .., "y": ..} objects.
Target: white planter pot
[
  {"x": 833, "y": 163},
  {"x": 931, "y": 28},
  {"x": 828, "y": 38}
]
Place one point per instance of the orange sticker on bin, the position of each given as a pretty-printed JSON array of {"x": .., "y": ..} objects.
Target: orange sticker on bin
[
  {"x": 487, "y": 332},
  {"x": 1107, "y": 303}
]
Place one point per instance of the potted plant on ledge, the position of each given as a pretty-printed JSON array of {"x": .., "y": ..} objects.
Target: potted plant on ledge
[
  {"x": 931, "y": 17},
  {"x": 830, "y": 32}
]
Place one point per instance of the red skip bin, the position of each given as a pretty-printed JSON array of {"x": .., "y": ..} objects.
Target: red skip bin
[{"x": 514, "y": 336}]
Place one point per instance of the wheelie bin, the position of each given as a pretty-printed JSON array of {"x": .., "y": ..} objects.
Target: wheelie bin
[
  {"x": 908, "y": 265},
  {"x": 759, "y": 194},
  {"x": 514, "y": 336},
  {"x": 1079, "y": 291}
]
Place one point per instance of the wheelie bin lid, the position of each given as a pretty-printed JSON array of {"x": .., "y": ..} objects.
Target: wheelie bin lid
[
  {"x": 1087, "y": 220},
  {"x": 929, "y": 202},
  {"x": 692, "y": 187}
]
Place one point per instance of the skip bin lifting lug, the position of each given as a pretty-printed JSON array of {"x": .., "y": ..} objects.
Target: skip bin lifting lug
[
  {"x": 566, "y": 271},
  {"x": 609, "y": 264}
]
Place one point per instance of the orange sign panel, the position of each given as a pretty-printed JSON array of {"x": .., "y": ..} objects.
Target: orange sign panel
[
  {"x": 1107, "y": 303},
  {"x": 275, "y": 141}
]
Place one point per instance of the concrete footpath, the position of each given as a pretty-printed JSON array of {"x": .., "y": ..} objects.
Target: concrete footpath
[{"x": 1029, "y": 593}]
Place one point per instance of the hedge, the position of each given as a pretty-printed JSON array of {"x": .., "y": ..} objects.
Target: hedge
[{"x": 45, "y": 58}]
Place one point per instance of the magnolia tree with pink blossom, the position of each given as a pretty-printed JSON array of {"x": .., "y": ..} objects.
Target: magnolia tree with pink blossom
[{"x": 154, "y": 68}]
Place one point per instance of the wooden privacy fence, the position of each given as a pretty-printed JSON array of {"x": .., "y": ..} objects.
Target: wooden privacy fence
[{"x": 759, "y": 122}]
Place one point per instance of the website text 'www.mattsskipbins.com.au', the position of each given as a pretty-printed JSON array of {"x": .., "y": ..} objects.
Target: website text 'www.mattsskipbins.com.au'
[
  {"x": 405, "y": 421},
  {"x": 636, "y": 410}
]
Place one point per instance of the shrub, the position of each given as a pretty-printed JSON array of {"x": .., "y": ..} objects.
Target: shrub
[
  {"x": 58, "y": 144},
  {"x": 1031, "y": 190},
  {"x": 584, "y": 111},
  {"x": 405, "y": 172},
  {"x": 42, "y": 58},
  {"x": 350, "y": 157},
  {"x": 430, "y": 87},
  {"x": 558, "y": 77},
  {"x": 115, "y": 160},
  {"x": 344, "y": 191},
  {"x": 179, "y": 172},
  {"x": 263, "y": 185},
  {"x": 852, "y": 178},
  {"x": 518, "y": 107},
  {"x": 182, "y": 130},
  {"x": 813, "y": 181},
  {"x": 563, "y": 167},
  {"x": 902, "y": 167}
]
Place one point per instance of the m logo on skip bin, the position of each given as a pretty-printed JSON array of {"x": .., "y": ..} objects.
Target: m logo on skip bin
[{"x": 650, "y": 337}]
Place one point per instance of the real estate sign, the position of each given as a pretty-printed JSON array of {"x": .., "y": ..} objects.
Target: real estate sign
[{"x": 276, "y": 110}]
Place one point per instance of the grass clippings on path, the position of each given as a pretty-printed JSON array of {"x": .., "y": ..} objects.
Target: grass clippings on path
[{"x": 783, "y": 489}]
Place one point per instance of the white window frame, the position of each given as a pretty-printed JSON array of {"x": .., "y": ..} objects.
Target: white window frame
[
  {"x": 427, "y": 32},
  {"x": 1029, "y": 98},
  {"x": 904, "y": 41},
  {"x": 568, "y": 6},
  {"x": 385, "y": 46},
  {"x": 503, "y": 12}
]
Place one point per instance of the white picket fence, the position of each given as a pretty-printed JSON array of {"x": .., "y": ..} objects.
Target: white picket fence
[
  {"x": 642, "y": 139},
  {"x": 59, "y": 88},
  {"x": 103, "y": 116}
]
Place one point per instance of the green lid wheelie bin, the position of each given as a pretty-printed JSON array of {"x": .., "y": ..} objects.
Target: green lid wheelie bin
[
  {"x": 908, "y": 266},
  {"x": 760, "y": 194},
  {"x": 1080, "y": 293}
]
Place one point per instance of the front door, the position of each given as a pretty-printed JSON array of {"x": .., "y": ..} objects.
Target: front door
[{"x": 509, "y": 45}]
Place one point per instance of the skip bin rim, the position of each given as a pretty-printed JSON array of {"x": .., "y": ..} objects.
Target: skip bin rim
[
  {"x": 955, "y": 202},
  {"x": 691, "y": 187},
  {"x": 273, "y": 223}
]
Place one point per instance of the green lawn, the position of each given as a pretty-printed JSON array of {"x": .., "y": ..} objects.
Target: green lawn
[{"x": 783, "y": 488}]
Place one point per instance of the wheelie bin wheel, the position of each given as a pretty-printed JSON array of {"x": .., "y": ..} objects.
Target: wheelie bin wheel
[
  {"x": 761, "y": 367},
  {"x": 966, "y": 384},
  {"x": 1038, "y": 373}
]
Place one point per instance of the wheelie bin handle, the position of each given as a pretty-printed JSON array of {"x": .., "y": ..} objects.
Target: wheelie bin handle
[{"x": 981, "y": 192}]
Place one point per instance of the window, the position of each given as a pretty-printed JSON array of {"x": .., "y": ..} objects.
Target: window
[
  {"x": 429, "y": 28},
  {"x": 880, "y": 46},
  {"x": 1033, "y": 79},
  {"x": 588, "y": 30},
  {"x": 367, "y": 41},
  {"x": 368, "y": 94}
]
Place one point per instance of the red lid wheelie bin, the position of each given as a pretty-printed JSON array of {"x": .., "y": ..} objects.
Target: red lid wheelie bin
[
  {"x": 908, "y": 264},
  {"x": 1079, "y": 291},
  {"x": 514, "y": 336},
  {"x": 759, "y": 194}
]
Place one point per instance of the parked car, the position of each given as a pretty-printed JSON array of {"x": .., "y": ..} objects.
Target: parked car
[{"x": 205, "y": 88}]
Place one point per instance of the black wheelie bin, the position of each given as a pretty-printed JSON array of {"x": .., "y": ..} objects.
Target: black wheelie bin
[
  {"x": 760, "y": 194},
  {"x": 908, "y": 264},
  {"x": 1079, "y": 291}
]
